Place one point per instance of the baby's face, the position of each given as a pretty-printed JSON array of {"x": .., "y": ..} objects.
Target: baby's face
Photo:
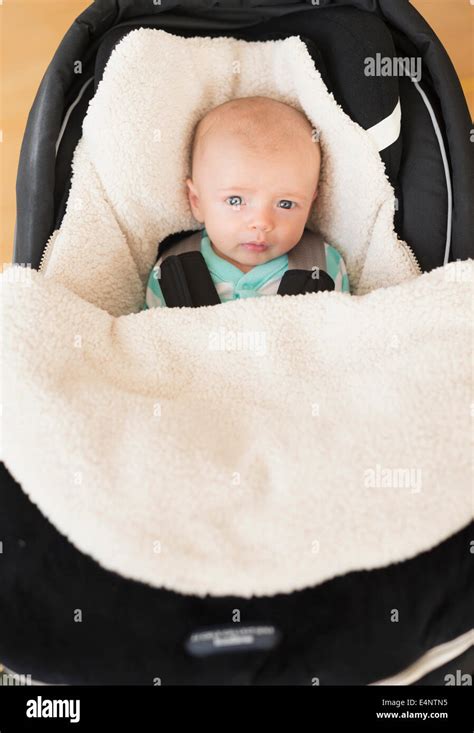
[{"x": 246, "y": 199}]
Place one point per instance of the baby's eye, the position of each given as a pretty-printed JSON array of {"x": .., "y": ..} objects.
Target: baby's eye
[
  {"x": 285, "y": 201},
  {"x": 234, "y": 200}
]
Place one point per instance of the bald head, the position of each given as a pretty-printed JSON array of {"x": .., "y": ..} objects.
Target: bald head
[
  {"x": 255, "y": 172},
  {"x": 262, "y": 124}
]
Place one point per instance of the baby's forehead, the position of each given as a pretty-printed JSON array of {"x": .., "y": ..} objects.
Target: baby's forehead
[
  {"x": 263, "y": 128},
  {"x": 256, "y": 116},
  {"x": 262, "y": 117}
]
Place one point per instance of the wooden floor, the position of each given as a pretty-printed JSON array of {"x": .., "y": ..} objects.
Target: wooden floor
[{"x": 31, "y": 30}]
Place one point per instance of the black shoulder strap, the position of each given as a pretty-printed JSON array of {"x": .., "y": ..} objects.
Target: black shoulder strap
[
  {"x": 186, "y": 281},
  {"x": 298, "y": 282}
]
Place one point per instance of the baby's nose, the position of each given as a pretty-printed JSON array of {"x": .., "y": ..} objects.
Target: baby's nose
[{"x": 261, "y": 219}]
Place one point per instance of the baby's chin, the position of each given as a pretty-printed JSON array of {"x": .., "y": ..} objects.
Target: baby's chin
[{"x": 253, "y": 258}]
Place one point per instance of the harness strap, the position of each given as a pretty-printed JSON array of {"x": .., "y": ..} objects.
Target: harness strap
[
  {"x": 191, "y": 243},
  {"x": 309, "y": 253},
  {"x": 186, "y": 281}
]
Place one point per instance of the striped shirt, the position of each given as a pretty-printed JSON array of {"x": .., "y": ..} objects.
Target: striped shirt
[{"x": 232, "y": 284}]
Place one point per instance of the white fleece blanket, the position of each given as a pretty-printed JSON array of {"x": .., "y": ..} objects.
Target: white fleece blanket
[{"x": 254, "y": 447}]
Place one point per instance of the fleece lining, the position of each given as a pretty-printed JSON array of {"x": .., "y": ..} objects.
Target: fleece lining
[{"x": 257, "y": 446}]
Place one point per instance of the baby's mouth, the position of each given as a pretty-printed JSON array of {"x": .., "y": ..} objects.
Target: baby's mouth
[{"x": 255, "y": 246}]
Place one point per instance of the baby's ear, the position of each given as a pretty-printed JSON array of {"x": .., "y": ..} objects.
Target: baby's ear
[
  {"x": 190, "y": 190},
  {"x": 193, "y": 199},
  {"x": 189, "y": 185}
]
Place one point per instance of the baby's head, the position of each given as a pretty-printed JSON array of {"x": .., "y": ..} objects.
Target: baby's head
[{"x": 254, "y": 176}]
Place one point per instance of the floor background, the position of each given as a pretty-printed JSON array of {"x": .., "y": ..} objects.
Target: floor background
[{"x": 31, "y": 30}]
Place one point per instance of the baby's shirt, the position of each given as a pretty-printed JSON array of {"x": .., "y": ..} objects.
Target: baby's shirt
[{"x": 232, "y": 284}]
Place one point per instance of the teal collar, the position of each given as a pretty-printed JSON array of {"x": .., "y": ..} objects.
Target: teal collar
[{"x": 225, "y": 271}]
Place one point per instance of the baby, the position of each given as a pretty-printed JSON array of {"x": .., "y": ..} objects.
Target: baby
[{"x": 254, "y": 177}]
